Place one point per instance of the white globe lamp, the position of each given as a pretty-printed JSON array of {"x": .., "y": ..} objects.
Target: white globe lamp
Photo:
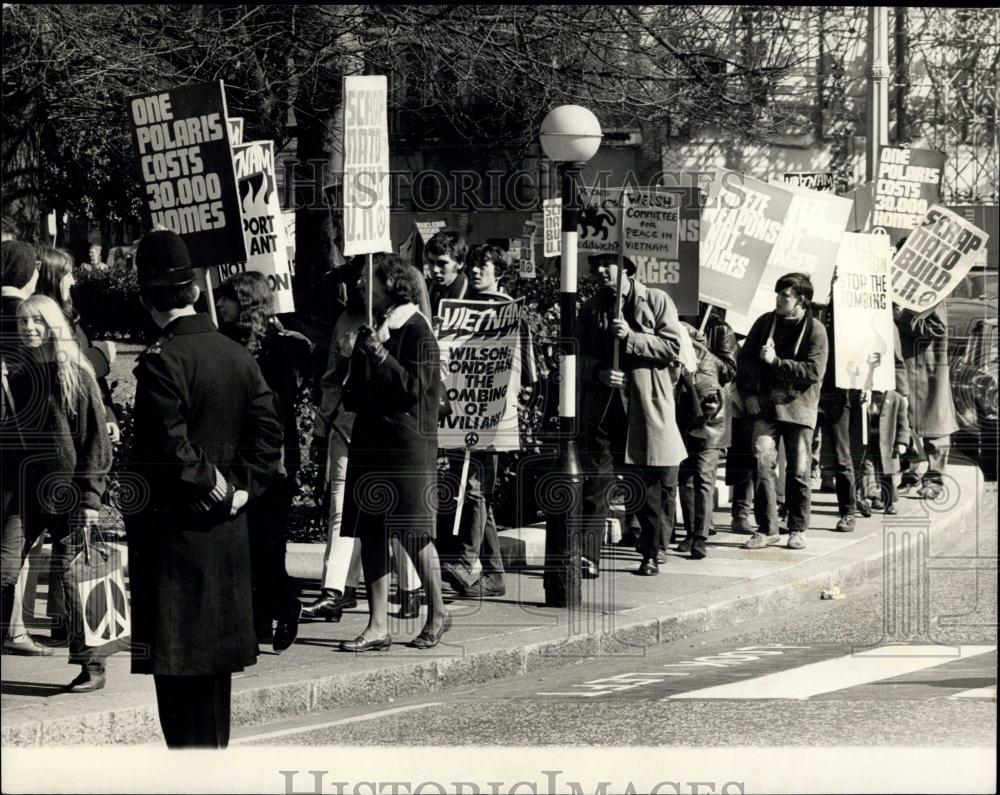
[{"x": 570, "y": 134}]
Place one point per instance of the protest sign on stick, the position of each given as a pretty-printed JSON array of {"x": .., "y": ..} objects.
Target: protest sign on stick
[
  {"x": 366, "y": 165},
  {"x": 599, "y": 226},
  {"x": 651, "y": 224},
  {"x": 235, "y": 130},
  {"x": 661, "y": 228},
  {"x": 481, "y": 360},
  {"x": 934, "y": 259},
  {"x": 186, "y": 166},
  {"x": 552, "y": 227},
  {"x": 263, "y": 223},
  {"x": 807, "y": 243},
  {"x": 527, "y": 259},
  {"x": 813, "y": 180},
  {"x": 427, "y": 229},
  {"x": 862, "y": 314},
  {"x": 663, "y": 225},
  {"x": 740, "y": 226},
  {"x": 908, "y": 182}
]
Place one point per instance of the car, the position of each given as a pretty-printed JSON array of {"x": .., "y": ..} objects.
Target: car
[
  {"x": 974, "y": 384},
  {"x": 973, "y": 299}
]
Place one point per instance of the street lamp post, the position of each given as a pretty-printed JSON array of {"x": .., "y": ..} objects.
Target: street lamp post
[{"x": 570, "y": 135}]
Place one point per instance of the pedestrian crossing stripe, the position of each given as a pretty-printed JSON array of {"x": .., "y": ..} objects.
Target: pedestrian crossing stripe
[
  {"x": 978, "y": 692},
  {"x": 839, "y": 673}
]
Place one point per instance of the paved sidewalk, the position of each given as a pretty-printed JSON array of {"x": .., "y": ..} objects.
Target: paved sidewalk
[{"x": 513, "y": 634}]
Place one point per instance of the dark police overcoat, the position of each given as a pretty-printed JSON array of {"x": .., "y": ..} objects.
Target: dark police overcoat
[{"x": 205, "y": 426}]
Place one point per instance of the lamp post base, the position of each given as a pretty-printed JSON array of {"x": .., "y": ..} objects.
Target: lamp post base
[{"x": 563, "y": 533}]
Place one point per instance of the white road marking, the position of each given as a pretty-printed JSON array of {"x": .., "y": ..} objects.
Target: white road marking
[
  {"x": 837, "y": 674},
  {"x": 979, "y": 692},
  {"x": 328, "y": 724}
]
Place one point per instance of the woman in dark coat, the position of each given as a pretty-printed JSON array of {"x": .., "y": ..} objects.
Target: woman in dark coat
[
  {"x": 245, "y": 315},
  {"x": 393, "y": 387}
]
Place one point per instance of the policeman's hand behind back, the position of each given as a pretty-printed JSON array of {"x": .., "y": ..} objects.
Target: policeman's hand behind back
[
  {"x": 239, "y": 502},
  {"x": 752, "y": 405},
  {"x": 614, "y": 378},
  {"x": 368, "y": 343}
]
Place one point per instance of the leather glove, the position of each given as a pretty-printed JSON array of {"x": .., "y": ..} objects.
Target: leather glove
[{"x": 368, "y": 343}]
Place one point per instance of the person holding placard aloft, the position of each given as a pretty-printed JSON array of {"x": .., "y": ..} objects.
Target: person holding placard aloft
[
  {"x": 781, "y": 366},
  {"x": 842, "y": 411},
  {"x": 628, "y": 418},
  {"x": 478, "y": 538}
]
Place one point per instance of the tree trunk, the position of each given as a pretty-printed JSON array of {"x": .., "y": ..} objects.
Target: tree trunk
[{"x": 902, "y": 77}]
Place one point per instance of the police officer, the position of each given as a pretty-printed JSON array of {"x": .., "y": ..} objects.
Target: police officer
[{"x": 206, "y": 440}]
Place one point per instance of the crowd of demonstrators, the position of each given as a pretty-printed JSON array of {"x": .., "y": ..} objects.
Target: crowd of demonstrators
[{"x": 663, "y": 398}]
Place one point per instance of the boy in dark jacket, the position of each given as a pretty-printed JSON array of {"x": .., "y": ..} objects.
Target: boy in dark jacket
[{"x": 780, "y": 367}]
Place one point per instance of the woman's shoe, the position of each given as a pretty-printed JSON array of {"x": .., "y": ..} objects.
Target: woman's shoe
[
  {"x": 409, "y": 603},
  {"x": 329, "y": 606},
  {"x": 359, "y": 644},
  {"x": 427, "y": 639},
  {"x": 25, "y": 646}
]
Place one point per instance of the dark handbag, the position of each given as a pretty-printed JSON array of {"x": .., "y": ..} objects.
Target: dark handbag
[
  {"x": 689, "y": 411},
  {"x": 97, "y": 596}
]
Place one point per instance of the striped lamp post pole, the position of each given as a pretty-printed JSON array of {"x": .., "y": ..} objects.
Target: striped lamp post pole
[{"x": 570, "y": 135}]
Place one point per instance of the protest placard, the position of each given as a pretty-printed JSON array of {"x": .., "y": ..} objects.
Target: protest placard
[
  {"x": 366, "y": 165},
  {"x": 599, "y": 225},
  {"x": 651, "y": 224},
  {"x": 186, "y": 166},
  {"x": 935, "y": 258},
  {"x": 263, "y": 222},
  {"x": 428, "y": 229},
  {"x": 235, "y": 130},
  {"x": 985, "y": 216},
  {"x": 740, "y": 226},
  {"x": 908, "y": 183},
  {"x": 669, "y": 256},
  {"x": 480, "y": 344},
  {"x": 552, "y": 227},
  {"x": 813, "y": 180},
  {"x": 862, "y": 314},
  {"x": 527, "y": 259},
  {"x": 807, "y": 243}
]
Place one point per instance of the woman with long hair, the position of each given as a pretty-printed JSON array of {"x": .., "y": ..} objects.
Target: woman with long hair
[
  {"x": 67, "y": 455},
  {"x": 246, "y": 315},
  {"x": 56, "y": 280},
  {"x": 393, "y": 388}
]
